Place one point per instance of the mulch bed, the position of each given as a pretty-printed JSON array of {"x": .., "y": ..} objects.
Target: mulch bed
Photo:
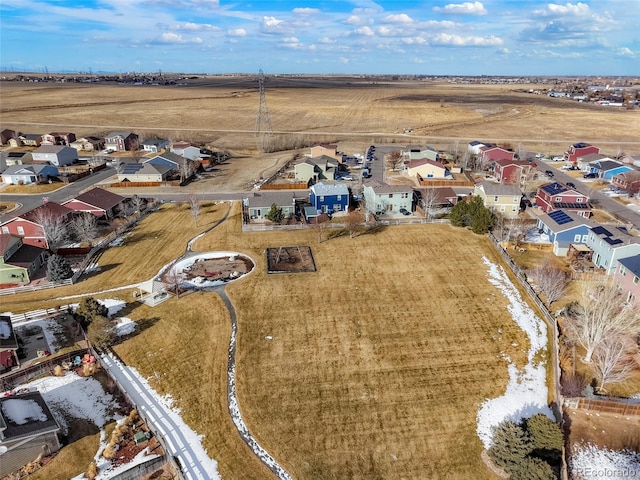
[
  {"x": 225, "y": 268},
  {"x": 294, "y": 259}
]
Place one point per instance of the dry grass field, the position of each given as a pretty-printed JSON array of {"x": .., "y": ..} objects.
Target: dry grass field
[{"x": 222, "y": 112}]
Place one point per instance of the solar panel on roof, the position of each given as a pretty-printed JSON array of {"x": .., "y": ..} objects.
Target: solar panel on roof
[
  {"x": 560, "y": 217},
  {"x": 601, "y": 231},
  {"x": 572, "y": 206},
  {"x": 612, "y": 241}
]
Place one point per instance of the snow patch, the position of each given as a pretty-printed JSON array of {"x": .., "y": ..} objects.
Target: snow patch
[
  {"x": 588, "y": 461},
  {"x": 533, "y": 235},
  {"x": 526, "y": 393},
  {"x": 113, "y": 305},
  {"x": 23, "y": 410},
  {"x": 125, "y": 326}
]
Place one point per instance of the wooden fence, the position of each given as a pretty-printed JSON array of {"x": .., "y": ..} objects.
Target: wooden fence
[
  {"x": 615, "y": 407},
  {"x": 172, "y": 183},
  {"x": 33, "y": 288},
  {"x": 284, "y": 186},
  {"x": 17, "y": 319}
]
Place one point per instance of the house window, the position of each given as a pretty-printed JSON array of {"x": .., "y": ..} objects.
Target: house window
[
  {"x": 391, "y": 195},
  {"x": 558, "y": 199},
  {"x": 635, "y": 280},
  {"x": 502, "y": 208},
  {"x": 339, "y": 197},
  {"x": 495, "y": 199},
  {"x": 577, "y": 238},
  {"x": 623, "y": 270},
  {"x": 322, "y": 198},
  {"x": 579, "y": 200},
  {"x": 5, "y": 229},
  {"x": 584, "y": 238},
  {"x": 20, "y": 231},
  {"x": 337, "y": 207}
]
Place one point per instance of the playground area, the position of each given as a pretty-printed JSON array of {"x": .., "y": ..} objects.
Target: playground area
[{"x": 294, "y": 259}]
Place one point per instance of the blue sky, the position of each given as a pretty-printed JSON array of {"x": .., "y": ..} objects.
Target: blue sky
[{"x": 493, "y": 37}]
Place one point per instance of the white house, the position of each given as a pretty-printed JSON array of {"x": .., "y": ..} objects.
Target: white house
[
  {"x": 58, "y": 155},
  {"x": 382, "y": 198},
  {"x": 27, "y": 174},
  {"x": 185, "y": 150}
]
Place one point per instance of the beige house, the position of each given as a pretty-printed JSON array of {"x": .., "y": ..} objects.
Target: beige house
[
  {"x": 499, "y": 197},
  {"x": 383, "y": 198},
  {"x": 419, "y": 154},
  {"x": 327, "y": 150},
  {"x": 425, "y": 168},
  {"x": 312, "y": 170}
]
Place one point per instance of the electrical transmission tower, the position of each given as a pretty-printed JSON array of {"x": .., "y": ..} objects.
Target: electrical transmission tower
[{"x": 263, "y": 122}]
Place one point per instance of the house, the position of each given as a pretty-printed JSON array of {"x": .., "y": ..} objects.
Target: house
[
  {"x": 606, "y": 169},
  {"x": 97, "y": 201},
  {"x": 8, "y": 347},
  {"x": 493, "y": 153},
  {"x": 578, "y": 150},
  {"x": 442, "y": 197},
  {"x": 31, "y": 225},
  {"x": 186, "y": 150},
  {"x": 611, "y": 244},
  {"x": 556, "y": 195},
  {"x": 475, "y": 146},
  {"x": 8, "y": 158},
  {"x": 500, "y": 197},
  {"x": 583, "y": 163},
  {"x": 88, "y": 144},
  {"x": 58, "y": 155},
  {"x": 58, "y": 138},
  {"x": 628, "y": 181},
  {"x": 28, "y": 430},
  {"x": 627, "y": 277},
  {"x": 27, "y": 139},
  {"x": 327, "y": 150},
  {"x": 312, "y": 170},
  {"x": 383, "y": 198},
  {"x": 169, "y": 159},
  {"x": 327, "y": 198},
  {"x": 19, "y": 262},
  {"x": 6, "y": 135},
  {"x": 419, "y": 154},
  {"x": 121, "y": 141},
  {"x": 28, "y": 174},
  {"x": 565, "y": 228},
  {"x": 512, "y": 171},
  {"x": 259, "y": 204},
  {"x": 155, "y": 144},
  {"x": 425, "y": 168},
  {"x": 144, "y": 172}
]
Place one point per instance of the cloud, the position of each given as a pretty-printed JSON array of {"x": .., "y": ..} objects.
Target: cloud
[
  {"x": 170, "y": 38},
  {"x": 194, "y": 27},
  {"x": 344, "y": 60},
  {"x": 327, "y": 40},
  {"x": 569, "y": 9},
  {"x": 305, "y": 11},
  {"x": 466, "y": 8},
  {"x": 273, "y": 26},
  {"x": 398, "y": 18},
  {"x": 364, "y": 31},
  {"x": 445, "y": 39},
  {"x": 183, "y": 3},
  {"x": 503, "y": 51},
  {"x": 356, "y": 20},
  {"x": 237, "y": 32},
  {"x": 626, "y": 52}
]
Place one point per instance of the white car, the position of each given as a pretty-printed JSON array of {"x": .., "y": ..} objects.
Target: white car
[
  {"x": 557, "y": 158},
  {"x": 540, "y": 155}
]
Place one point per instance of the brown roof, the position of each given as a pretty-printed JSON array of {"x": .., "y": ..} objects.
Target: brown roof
[
  {"x": 50, "y": 208},
  {"x": 6, "y": 241},
  {"x": 101, "y": 198},
  {"x": 423, "y": 161},
  {"x": 379, "y": 187},
  {"x": 630, "y": 176}
]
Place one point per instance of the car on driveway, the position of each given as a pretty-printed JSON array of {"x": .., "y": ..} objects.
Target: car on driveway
[
  {"x": 570, "y": 185},
  {"x": 557, "y": 158},
  {"x": 404, "y": 211},
  {"x": 540, "y": 155},
  {"x": 548, "y": 173},
  {"x": 590, "y": 175}
]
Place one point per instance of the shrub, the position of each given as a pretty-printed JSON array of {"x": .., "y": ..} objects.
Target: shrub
[
  {"x": 88, "y": 309},
  {"x": 58, "y": 268},
  {"x": 92, "y": 471},
  {"x": 511, "y": 444},
  {"x": 472, "y": 214},
  {"x": 101, "y": 332}
]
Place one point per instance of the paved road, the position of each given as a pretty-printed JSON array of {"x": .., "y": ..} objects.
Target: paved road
[{"x": 610, "y": 205}]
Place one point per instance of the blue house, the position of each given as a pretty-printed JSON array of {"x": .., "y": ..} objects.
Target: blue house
[
  {"x": 606, "y": 169},
  {"x": 611, "y": 244},
  {"x": 565, "y": 228},
  {"x": 329, "y": 198}
]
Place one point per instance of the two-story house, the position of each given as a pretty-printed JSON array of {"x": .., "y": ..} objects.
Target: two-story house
[
  {"x": 627, "y": 277},
  {"x": 58, "y": 155},
  {"x": 383, "y": 198},
  {"x": 121, "y": 141},
  {"x": 259, "y": 204},
  {"x": 58, "y": 138},
  {"x": 155, "y": 144},
  {"x": 326, "y": 149},
  {"x": 185, "y": 150},
  {"x": 564, "y": 229},
  {"x": 426, "y": 168},
  {"x": 578, "y": 150},
  {"x": 419, "y": 154},
  {"x": 628, "y": 181},
  {"x": 500, "y": 197},
  {"x": 88, "y": 144},
  {"x": 556, "y": 195},
  {"x": 491, "y": 154},
  {"x": 19, "y": 262},
  {"x": 610, "y": 244},
  {"x": 33, "y": 225},
  {"x": 475, "y": 146},
  {"x": 313, "y": 170},
  {"x": 327, "y": 198},
  {"x": 512, "y": 171},
  {"x": 97, "y": 201},
  {"x": 7, "y": 134}
]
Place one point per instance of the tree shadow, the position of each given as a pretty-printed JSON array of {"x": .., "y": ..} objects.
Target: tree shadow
[
  {"x": 140, "y": 326},
  {"x": 101, "y": 269},
  {"x": 337, "y": 233},
  {"x": 373, "y": 229}
]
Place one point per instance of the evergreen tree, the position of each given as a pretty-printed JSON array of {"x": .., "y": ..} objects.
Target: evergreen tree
[
  {"x": 511, "y": 444},
  {"x": 58, "y": 268},
  {"x": 472, "y": 214},
  {"x": 275, "y": 214},
  {"x": 89, "y": 309},
  {"x": 531, "y": 468},
  {"x": 546, "y": 438},
  {"x": 101, "y": 332}
]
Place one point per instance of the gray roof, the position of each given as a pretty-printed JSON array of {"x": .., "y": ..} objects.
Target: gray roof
[
  {"x": 36, "y": 168},
  {"x": 32, "y": 426},
  {"x": 379, "y": 187},
  {"x": 154, "y": 141},
  {"x": 491, "y": 188},
  {"x": 280, "y": 198},
  {"x": 576, "y": 221},
  {"x": 606, "y": 165},
  {"x": 52, "y": 149},
  {"x": 118, "y": 134},
  {"x": 632, "y": 264},
  {"x": 329, "y": 189}
]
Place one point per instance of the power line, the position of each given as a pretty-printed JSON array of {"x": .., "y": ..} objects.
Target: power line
[{"x": 263, "y": 122}]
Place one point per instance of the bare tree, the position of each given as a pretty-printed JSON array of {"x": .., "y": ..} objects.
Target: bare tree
[
  {"x": 138, "y": 202},
  {"x": 353, "y": 222},
  {"x": 602, "y": 314},
  {"x": 85, "y": 227},
  {"x": 611, "y": 362},
  {"x": 394, "y": 159},
  {"x": 187, "y": 168},
  {"x": 551, "y": 280},
  {"x": 428, "y": 201},
  {"x": 194, "y": 204},
  {"x": 172, "y": 280},
  {"x": 517, "y": 230},
  {"x": 54, "y": 228},
  {"x": 320, "y": 224}
]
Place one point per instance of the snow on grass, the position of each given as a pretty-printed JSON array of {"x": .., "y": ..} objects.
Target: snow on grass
[
  {"x": 113, "y": 305},
  {"x": 588, "y": 461},
  {"x": 526, "y": 392},
  {"x": 201, "y": 282},
  {"x": 125, "y": 326},
  {"x": 533, "y": 235},
  {"x": 49, "y": 328}
]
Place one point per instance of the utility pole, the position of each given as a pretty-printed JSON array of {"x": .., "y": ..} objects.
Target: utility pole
[{"x": 263, "y": 122}]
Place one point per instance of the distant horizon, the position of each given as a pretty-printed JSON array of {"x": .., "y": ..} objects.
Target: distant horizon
[{"x": 505, "y": 38}]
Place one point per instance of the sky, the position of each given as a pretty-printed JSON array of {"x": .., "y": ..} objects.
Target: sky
[{"x": 493, "y": 37}]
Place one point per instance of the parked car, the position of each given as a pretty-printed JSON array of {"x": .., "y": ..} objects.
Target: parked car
[
  {"x": 540, "y": 155},
  {"x": 548, "y": 173},
  {"x": 404, "y": 211},
  {"x": 557, "y": 158},
  {"x": 571, "y": 185},
  {"x": 590, "y": 175}
]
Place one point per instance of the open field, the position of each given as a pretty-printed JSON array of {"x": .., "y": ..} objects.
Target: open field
[{"x": 223, "y": 112}]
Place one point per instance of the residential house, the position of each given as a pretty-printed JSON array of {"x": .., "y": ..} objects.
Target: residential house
[
  {"x": 28, "y": 174},
  {"x": 9, "y": 158},
  {"x": 259, "y": 204},
  {"x": 6, "y": 135},
  {"x": 383, "y": 198},
  {"x": 491, "y": 154},
  {"x": 58, "y": 138},
  {"x": 627, "y": 277},
  {"x": 610, "y": 244},
  {"x": 578, "y": 150},
  {"x": 58, "y": 155},
  {"x": 186, "y": 150},
  {"x": 628, "y": 181},
  {"x": 327, "y": 150},
  {"x": 28, "y": 430},
  {"x": 475, "y": 146},
  {"x": 584, "y": 163},
  {"x": 419, "y": 154},
  {"x": 556, "y": 195},
  {"x": 31, "y": 225},
  {"x": 97, "y": 201},
  {"x": 88, "y": 144},
  {"x": 170, "y": 159},
  {"x": 19, "y": 262},
  {"x": 27, "y": 139},
  {"x": 606, "y": 169},
  {"x": 443, "y": 198},
  {"x": 144, "y": 172},
  {"x": 565, "y": 228},
  {"x": 512, "y": 171},
  {"x": 425, "y": 168},
  {"x": 312, "y": 170},
  {"x": 8, "y": 347},
  {"x": 155, "y": 144},
  {"x": 327, "y": 198},
  {"x": 500, "y": 197},
  {"x": 121, "y": 141}
]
